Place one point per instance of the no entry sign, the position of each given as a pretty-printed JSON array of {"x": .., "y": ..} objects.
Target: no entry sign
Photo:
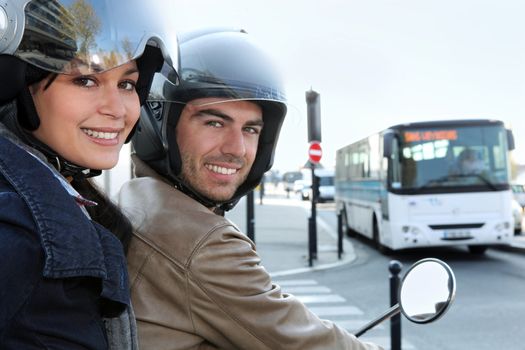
[{"x": 315, "y": 152}]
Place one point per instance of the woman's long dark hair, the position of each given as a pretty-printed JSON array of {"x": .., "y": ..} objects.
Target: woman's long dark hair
[{"x": 106, "y": 212}]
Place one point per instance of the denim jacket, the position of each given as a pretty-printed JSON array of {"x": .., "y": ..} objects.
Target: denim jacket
[{"x": 60, "y": 272}]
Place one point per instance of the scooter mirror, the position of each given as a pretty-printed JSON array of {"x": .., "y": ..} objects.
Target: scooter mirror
[{"x": 427, "y": 290}]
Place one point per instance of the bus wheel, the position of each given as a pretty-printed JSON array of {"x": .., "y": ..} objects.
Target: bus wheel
[
  {"x": 377, "y": 241},
  {"x": 477, "y": 249}
]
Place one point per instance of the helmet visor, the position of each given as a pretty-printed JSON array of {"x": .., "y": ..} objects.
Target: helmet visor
[
  {"x": 165, "y": 90},
  {"x": 221, "y": 65},
  {"x": 90, "y": 36}
]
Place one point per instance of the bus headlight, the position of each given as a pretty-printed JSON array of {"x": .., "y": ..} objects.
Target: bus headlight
[
  {"x": 415, "y": 231},
  {"x": 503, "y": 226},
  {"x": 411, "y": 233}
]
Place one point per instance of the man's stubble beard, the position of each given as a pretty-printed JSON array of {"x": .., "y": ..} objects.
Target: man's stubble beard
[{"x": 188, "y": 176}]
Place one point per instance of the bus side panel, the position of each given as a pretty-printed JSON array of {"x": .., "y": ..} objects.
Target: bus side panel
[{"x": 360, "y": 200}]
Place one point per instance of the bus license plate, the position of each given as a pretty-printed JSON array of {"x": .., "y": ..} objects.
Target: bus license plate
[{"x": 457, "y": 234}]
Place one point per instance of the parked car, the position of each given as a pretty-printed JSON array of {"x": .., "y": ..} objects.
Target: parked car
[
  {"x": 517, "y": 214},
  {"x": 326, "y": 186},
  {"x": 518, "y": 192}
]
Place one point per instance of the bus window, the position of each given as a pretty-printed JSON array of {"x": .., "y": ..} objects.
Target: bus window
[{"x": 395, "y": 165}]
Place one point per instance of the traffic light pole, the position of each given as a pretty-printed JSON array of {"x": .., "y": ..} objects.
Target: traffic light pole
[
  {"x": 313, "y": 104},
  {"x": 312, "y": 221},
  {"x": 250, "y": 216}
]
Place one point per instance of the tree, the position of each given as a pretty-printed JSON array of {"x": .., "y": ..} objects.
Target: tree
[{"x": 85, "y": 27}]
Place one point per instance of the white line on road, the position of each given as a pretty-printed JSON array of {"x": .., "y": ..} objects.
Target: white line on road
[
  {"x": 335, "y": 310},
  {"x": 283, "y": 283},
  {"x": 307, "y": 289},
  {"x": 354, "y": 325},
  {"x": 385, "y": 342},
  {"x": 315, "y": 299}
]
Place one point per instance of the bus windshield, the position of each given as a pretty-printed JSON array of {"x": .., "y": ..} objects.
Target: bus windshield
[{"x": 446, "y": 157}]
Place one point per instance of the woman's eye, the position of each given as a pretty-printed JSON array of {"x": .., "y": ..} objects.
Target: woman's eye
[
  {"x": 128, "y": 85},
  {"x": 84, "y": 82}
]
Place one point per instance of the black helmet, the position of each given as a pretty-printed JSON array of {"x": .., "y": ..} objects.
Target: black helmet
[
  {"x": 212, "y": 63},
  {"x": 41, "y": 37}
]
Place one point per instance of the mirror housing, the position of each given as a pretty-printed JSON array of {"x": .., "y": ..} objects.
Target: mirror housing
[
  {"x": 388, "y": 138},
  {"x": 510, "y": 140}
]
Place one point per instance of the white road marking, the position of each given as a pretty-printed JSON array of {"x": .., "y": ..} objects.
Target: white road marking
[
  {"x": 323, "y": 311},
  {"x": 315, "y": 299}
]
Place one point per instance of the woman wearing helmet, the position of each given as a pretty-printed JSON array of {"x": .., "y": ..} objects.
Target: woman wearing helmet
[
  {"x": 196, "y": 281},
  {"x": 74, "y": 74},
  {"x": 225, "y": 65}
]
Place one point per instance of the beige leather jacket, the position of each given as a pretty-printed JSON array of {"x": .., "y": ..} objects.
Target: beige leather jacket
[{"x": 198, "y": 283}]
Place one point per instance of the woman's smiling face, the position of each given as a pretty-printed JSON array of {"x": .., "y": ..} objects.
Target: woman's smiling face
[{"x": 87, "y": 118}]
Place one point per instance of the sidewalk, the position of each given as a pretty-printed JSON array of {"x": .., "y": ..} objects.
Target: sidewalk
[{"x": 281, "y": 235}]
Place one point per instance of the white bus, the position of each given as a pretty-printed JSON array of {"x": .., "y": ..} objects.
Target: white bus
[{"x": 438, "y": 183}]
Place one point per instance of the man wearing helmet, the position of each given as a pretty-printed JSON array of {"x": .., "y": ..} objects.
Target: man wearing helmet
[{"x": 196, "y": 280}]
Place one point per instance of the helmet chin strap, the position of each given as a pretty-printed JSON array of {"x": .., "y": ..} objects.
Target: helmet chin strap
[
  {"x": 217, "y": 207},
  {"x": 68, "y": 169},
  {"x": 181, "y": 186}
]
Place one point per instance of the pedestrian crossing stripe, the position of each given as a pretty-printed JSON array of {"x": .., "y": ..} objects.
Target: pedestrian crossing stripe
[
  {"x": 287, "y": 283},
  {"x": 307, "y": 289},
  {"x": 336, "y": 311},
  {"x": 317, "y": 299}
]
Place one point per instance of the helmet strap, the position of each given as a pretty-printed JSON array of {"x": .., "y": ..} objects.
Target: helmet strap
[
  {"x": 27, "y": 115},
  {"x": 12, "y": 71}
]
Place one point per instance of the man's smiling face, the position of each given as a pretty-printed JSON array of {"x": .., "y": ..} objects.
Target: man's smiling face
[{"x": 218, "y": 142}]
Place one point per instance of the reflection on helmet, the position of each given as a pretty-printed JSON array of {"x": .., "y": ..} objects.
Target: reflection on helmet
[{"x": 213, "y": 63}]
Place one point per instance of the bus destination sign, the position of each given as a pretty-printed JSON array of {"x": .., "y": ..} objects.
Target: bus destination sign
[{"x": 430, "y": 135}]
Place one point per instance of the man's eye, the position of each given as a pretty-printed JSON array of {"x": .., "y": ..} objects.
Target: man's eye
[
  {"x": 253, "y": 130},
  {"x": 84, "y": 82},
  {"x": 214, "y": 123}
]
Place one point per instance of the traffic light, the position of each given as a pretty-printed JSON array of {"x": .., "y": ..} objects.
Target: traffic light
[{"x": 313, "y": 103}]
